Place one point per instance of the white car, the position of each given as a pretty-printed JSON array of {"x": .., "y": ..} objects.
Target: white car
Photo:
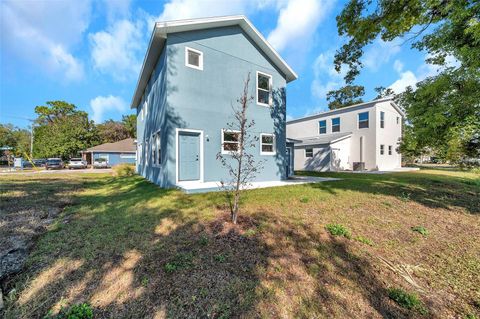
[
  {"x": 76, "y": 163},
  {"x": 100, "y": 163}
]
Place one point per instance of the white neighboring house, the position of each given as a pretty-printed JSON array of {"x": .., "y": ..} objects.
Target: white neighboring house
[{"x": 359, "y": 137}]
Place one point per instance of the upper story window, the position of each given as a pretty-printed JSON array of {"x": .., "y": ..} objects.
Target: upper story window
[
  {"x": 398, "y": 120},
  {"x": 230, "y": 141},
  {"x": 382, "y": 119},
  {"x": 193, "y": 58},
  {"x": 336, "y": 125},
  {"x": 309, "y": 152},
  {"x": 267, "y": 146},
  {"x": 322, "y": 127},
  {"x": 363, "y": 120},
  {"x": 264, "y": 89}
]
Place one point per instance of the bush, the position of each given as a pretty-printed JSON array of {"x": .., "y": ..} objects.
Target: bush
[
  {"x": 338, "y": 230},
  {"x": 80, "y": 311},
  {"x": 123, "y": 170}
]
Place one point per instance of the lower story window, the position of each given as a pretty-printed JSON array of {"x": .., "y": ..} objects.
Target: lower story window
[
  {"x": 267, "y": 146},
  {"x": 230, "y": 141},
  {"x": 156, "y": 149},
  {"x": 382, "y": 149},
  {"x": 390, "y": 149},
  {"x": 309, "y": 152}
]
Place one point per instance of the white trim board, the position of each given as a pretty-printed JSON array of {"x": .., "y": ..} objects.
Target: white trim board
[{"x": 200, "y": 132}]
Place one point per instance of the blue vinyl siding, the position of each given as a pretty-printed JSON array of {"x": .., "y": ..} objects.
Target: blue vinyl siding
[{"x": 116, "y": 158}]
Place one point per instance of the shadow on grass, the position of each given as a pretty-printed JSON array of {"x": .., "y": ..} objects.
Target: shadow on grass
[
  {"x": 133, "y": 250},
  {"x": 433, "y": 190}
]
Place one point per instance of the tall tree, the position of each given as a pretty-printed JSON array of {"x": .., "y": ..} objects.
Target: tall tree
[
  {"x": 112, "y": 131},
  {"x": 240, "y": 161},
  {"x": 16, "y": 138},
  {"x": 62, "y": 130},
  {"x": 346, "y": 96},
  {"x": 130, "y": 123},
  {"x": 446, "y": 30}
]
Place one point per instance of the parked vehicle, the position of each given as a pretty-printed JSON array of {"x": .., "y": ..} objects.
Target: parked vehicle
[
  {"x": 100, "y": 163},
  {"x": 76, "y": 163},
  {"x": 27, "y": 164},
  {"x": 39, "y": 162},
  {"x": 54, "y": 163}
]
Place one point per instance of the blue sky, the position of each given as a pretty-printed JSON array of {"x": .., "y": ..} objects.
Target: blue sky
[{"x": 89, "y": 53}]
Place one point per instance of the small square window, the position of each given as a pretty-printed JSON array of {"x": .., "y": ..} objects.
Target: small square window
[
  {"x": 382, "y": 149},
  {"x": 390, "y": 148},
  {"x": 267, "y": 146},
  {"x": 336, "y": 125},
  {"x": 363, "y": 120},
  {"x": 193, "y": 58},
  {"x": 309, "y": 152}
]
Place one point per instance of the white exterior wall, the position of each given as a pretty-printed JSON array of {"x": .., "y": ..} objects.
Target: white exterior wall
[
  {"x": 372, "y": 136},
  {"x": 340, "y": 157},
  {"x": 319, "y": 162},
  {"x": 389, "y": 135}
]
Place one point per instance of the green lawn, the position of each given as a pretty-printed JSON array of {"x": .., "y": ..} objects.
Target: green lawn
[{"x": 132, "y": 250}]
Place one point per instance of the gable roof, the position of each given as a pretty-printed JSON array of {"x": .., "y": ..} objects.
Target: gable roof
[
  {"x": 161, "y": 29},
  {"x": 123, "y": 146},
  {"x": 358, "y": 106},
  {"x": 323, "y": 139}
]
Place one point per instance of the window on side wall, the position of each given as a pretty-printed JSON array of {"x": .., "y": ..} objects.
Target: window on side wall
[
  {"x": 336, "y": 125},
  {"x": 264, "y": 89},
  {"x": 382, "y": 149},
  {"x": 267, "y": 146},
  {"x": 363, "y": 120},
  {"x": 309, "y": 152},
  {"x": 382, "y": 119},
  {"x": 322, "y": 127},
  {"x": 390, "y": 148},
  {"x": 139, "y": 153},
  {"x": 398, "y": 120},
  {"x": 156, "y": 149},
  {"x": 230, "y": 141},
  {"x": 193, "y": 58}
]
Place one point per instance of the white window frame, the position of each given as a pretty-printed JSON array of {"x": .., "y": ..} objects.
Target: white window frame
[
  {"x": 390, "y": 150},
  {"x": 339, "y": 124},
  {"x": 222, "y": 145},
  {"x": 156, "y": 147},
  {"x": 200, "y": 59},
  {"x": 382, "y": 119},
  {"x": 270, "y": 81},
  {"x": 358, "y": 120},
  {"x": 320, "y": 126},
  {"x": 273, "y": 144},
  {"x": 306, "y": 152},
  {"x": 382, "y": 149}
]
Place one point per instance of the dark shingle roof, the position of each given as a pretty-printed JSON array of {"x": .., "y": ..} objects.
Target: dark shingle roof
[{"x": 123, "y": 146}]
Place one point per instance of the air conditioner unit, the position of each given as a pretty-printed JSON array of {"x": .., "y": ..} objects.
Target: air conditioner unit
[{"x": 358, "y": 166}]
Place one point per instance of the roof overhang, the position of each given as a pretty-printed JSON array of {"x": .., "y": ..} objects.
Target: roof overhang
[{"x": 162, "y": 29}]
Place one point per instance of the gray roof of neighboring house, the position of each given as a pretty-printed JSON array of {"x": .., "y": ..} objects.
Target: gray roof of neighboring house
[
  {"x": 323, "y": 139},
  {"x": 123, "y": 146},
  {"x": 351, "y": 108},
  {"x": 161, "y": 29},
  {"x": 292, "y": 140}
]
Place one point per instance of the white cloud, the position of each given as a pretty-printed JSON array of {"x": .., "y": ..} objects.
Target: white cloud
[
  {"x": 326, "y": 78},
  {"x": 407, "y": 78},
  {"x": 398, "y": 66},
  {"x": 102, "y": 104},
  {"x": 118, "y": 9},
  {"x": 379, "y": 53},
  {"x": 118, "y": 50},
  {"x": 297, "y": 22},
  {"x": 43, "y": 33},
  {"x": 187, "y": 9}
]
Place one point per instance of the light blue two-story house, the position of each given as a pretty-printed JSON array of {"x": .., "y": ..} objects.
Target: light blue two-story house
[{"x": 193, "y": 72}]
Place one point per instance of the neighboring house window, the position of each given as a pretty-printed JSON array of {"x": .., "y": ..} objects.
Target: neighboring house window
[
  {"x": 264, "y": 89},
  {"x": 322, "y": 127},
  {"x": 363, "y": 120},
  {"x": 336, "y": 125},
  {"x": 309, "y": 152},
  {"x": 267, "y": 146},
  {"x": 193, "y": 58},
  {"x": 230, "y": 140},
  {"x": 382, "y": 149},
  {"x": 398, "y": 120},
  {"x": 382, "y": 119},
  {"x": 390, "y": 149}
]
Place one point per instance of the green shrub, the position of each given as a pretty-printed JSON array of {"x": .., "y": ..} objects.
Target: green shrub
[
  {"x": 406, "y": 300},
  {"x": 338, "y": 230},
  {"x": 304, "y": 200},
  {"x": 421, "y": 230},
  {"x": 123, "y": 170},
  {"x": 79, "y": 311}
]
